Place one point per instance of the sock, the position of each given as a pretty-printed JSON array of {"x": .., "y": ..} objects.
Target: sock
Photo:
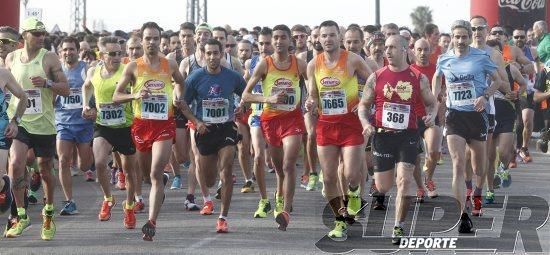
[
  {"x": 206, "y": 199},
  {"x": 139, "y": 198},
  {"x": 21, "y": 212},
  {"x": 477, "y": 192},
  {"x": 399, "y": 224},
  {"x": 110, "y": 198},
  {"x": 129, "y": 205},
  {"x": 222, "y": 217},
  {"x": 277, "y": 197},
  {"x": 468, "y": 184},
  {"x": 48, "y": 207},
  {"x": 353, "y": 189}
]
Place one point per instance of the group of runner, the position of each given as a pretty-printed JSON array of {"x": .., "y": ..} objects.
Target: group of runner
[{"x": 357, "y": 100}]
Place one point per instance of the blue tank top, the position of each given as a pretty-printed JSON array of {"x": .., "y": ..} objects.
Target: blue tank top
[
  {"x": 68, "y": 110},
  {"x": 4, "y": 120},
  {"x": 527, "y": 52},
  {"x": 193, "y": 64}
]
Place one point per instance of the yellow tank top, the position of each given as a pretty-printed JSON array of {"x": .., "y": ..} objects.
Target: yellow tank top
[
  {"x": 282, "y": 80},
  {"x": 108, "y": 113},
  {"x": 159, "y": 82},
  {"x": 338, "y": 89},
  {"x": 39, "y": 118}
]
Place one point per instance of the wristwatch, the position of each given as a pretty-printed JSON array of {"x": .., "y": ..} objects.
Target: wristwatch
[
  {"x": 48, "y": 84},
  {"x": 17, "y": 119},
  {"x": 486, "y": 96}
]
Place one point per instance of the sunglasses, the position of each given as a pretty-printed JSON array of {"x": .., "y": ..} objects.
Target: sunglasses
[
  {"x": 478, "y": 28},
  {"x": 37, "y": 33},
  {"x": 519, "y": 37},
  {"x": 113, "y": 53},
  {"x": 230, "y": 45},
  {"x": 121, "y": 41},
  {"x": 7, "y": 41},
  {"x": 299, "y": 36},
  {"x": 497, "y": 32}
]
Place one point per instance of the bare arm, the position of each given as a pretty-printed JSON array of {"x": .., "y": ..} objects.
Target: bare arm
[
  {"x": 437, "y": 80},
  {"x": 120, "y": 96},
  {"x": 313, "y": 97},
  {"x": 13, "y": 87},
  {"x": 429, "y": 99},
  {"x": 184, "y": 65},
  {"x": 365, "y": 105},
  {"x": 247, "y": 73},
  {"x": 528, "y": 67},
  {"x": 518, "y": 78},
  {"x": 179, "y": 92},
  {"x": 237, "y": 66},
  {"x": 59, "y": 86},
  {"x": 259, "y": 72},
  {"x": 361, "y": 67}
]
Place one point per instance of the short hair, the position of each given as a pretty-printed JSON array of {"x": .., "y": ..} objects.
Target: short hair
[
  {"x": 266, "y": 31},
  {"x": 108, "y": 39},
  {"x": 404, "y": 43},
  {"x": 220, "y": 29},
  {"x": 245, "y": 42},
  {"x": 283, "y": 28},
  {"x": 174, "y": 34},
  {"x": 329, "y": 23},
  {"x": 356, "y": 28},
  {"x": 370, "y": 29},
  {"x": 542, "y": 25},
  {"x": 188, "y": 25},
  {"x": 165, "y": 35},
  {"x": 152, "y": 25},
  {"x": 70, "y": 39},
  {"x": 257, "y": 28},
  {"x": 479, "y": 17},
  {"x": 299, "y": 28},
  {"x": 390, "y": 26},
  {"x": 462, "y": 24},
  {"x": 406, "y": 29},
  {"x": 445, "y": 34},
  {"x": 214, "y": 42},
  {"x": 430, "y": 28},
  {"x": 9, "y": 30}
]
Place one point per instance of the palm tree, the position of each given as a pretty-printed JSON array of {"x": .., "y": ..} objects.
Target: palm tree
[{"x": 421, "y": 16}]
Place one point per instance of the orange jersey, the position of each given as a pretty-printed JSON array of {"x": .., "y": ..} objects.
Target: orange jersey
[
  {"x": 159, "y": 105},
  {"x": 288, "y": 81}
]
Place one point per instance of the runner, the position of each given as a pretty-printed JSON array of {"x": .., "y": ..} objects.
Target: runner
[
  {"x": 257, "y": 138},
  {"x": 73, "y": 131},
  {"x": 212, "y": 87},
  {"x": 134, "y": 49},
  {"x": 153, "y": 98},
  {"x": 282, "y": 121},
  {"x": 431, "y": 33},
  {"x": 8, "y": 42},
  {"x": 299, "y": 34},
  {"x": 244, "y": 50},
  {"x": 39, "y": 73},
  {"x": 540, "y": 32},
  {"x": 334, "y": 90},
  {"x": 444, "y": 41},
  {"x": 112, "y": 129},
  {"x": 465, "y": 70}
]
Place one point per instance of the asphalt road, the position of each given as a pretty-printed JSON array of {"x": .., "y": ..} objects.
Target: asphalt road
[{"x": 183, "y": 232}]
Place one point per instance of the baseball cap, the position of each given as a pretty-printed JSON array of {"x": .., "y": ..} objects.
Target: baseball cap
[
  {"x": 203, "y": 26},
  {"x": 32, "y": 24},
  {"x": 376, "y": 36}
]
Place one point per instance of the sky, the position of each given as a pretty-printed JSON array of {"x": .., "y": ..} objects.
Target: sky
[{"x": 130, "y": 14}]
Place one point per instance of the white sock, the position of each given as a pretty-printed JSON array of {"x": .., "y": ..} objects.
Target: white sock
[
  {"x": 222, "y": 217},
  {"x": 206, "y": 199}
]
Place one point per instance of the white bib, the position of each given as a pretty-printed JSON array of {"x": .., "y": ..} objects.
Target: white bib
[
  {"x": 154, "y": 107},
  {"x": 215, "y": 110},
  {"x": 34, "y": 101},
  {"x": 396, "y": 116},
  {"x": 289, "y": 103},
  {"x": 462, "y": 94},
  {"x": 73, "y": 100},
  {"x": 333, "y": 102},
  {"x": 111, "y": 114}
]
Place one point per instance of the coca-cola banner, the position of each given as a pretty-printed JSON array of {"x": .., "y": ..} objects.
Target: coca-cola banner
[{"x": 521, "y": 13}]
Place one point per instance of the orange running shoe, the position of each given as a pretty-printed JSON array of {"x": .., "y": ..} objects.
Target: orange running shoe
[
  {"x": 207, "y": 208},
  {"x": 105, "y": 212},
  {"x": 129, "y": 216},
  {"x": 221, "y": 226},
  {"x": 121, "y": 184}
]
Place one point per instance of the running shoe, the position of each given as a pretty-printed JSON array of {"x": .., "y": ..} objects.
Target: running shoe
[
  {"x": 148, "y": 230},
  {"x": 69, "y": 208},
  {"x": 420, "y": 194},
  {"x": 270, "y": 170},
  {"x": 282, "y": 219},
  {"x": 18, "y": 227},
  {"x": 264, "y": 207},
  {"x": 397, "y": 234},
  {"x": 105, "y": 212},
  {"x": 129, "y": 216},
  {"x": 121, "y": 184},
  {"x": 525, "y": 156},
  {"x": 340, "y": 231},
  {"x": 221, "y": 226},
  {"x": 313, "y": 180},
  {"x": 279, "y": 205},
  {"x": 165, "y": 178},
  {"x": 304, "y": 180},
  {"x": 89, "y": 176},
  {"x": 139, "y": 207},
  {"x": 505, "y": 176},
  {"x": 36, "y": 181},
  {"x": 373, "y": 190},
  {"x": 11, "y": 222},
  {"x": 48, "y": 226},
  {"x": 207, "y": 208},
  {"x": 489, "y": 197},
  {"x": 465, "y": 225},
  {"x": 248, "y": 187},
  {"x": 430, "y": 186},
  {"x": 75, "y": 171},
  {"x": 32, "y": 197},
  {"x": 477, "y": 210},
  {"x": 5, "y": 195},
  {"x": 497, "y": 180},
  {"x": 190, "y": 204},
  {"x": 176, "y": 183},
  {"x": 354, "y": 202},
  {"x": 378, "y": 203}
]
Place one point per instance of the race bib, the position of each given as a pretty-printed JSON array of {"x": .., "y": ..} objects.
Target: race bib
[
  {"x": 34, "y": 101},
  {"x": 334, "y": 102},
  {"x": 215, "y": 110},
  {"x": 289, "y": 102},
  {"x": 154, "y": 107},
  {"x": 462, "y": 94},
  {"x": 111, "y": 114},
  {"x": 73, "y": 100},
  {"x": 395, "y": 116}
]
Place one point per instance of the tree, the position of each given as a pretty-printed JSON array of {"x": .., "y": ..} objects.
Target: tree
[{"x": 421, "y": 16}]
